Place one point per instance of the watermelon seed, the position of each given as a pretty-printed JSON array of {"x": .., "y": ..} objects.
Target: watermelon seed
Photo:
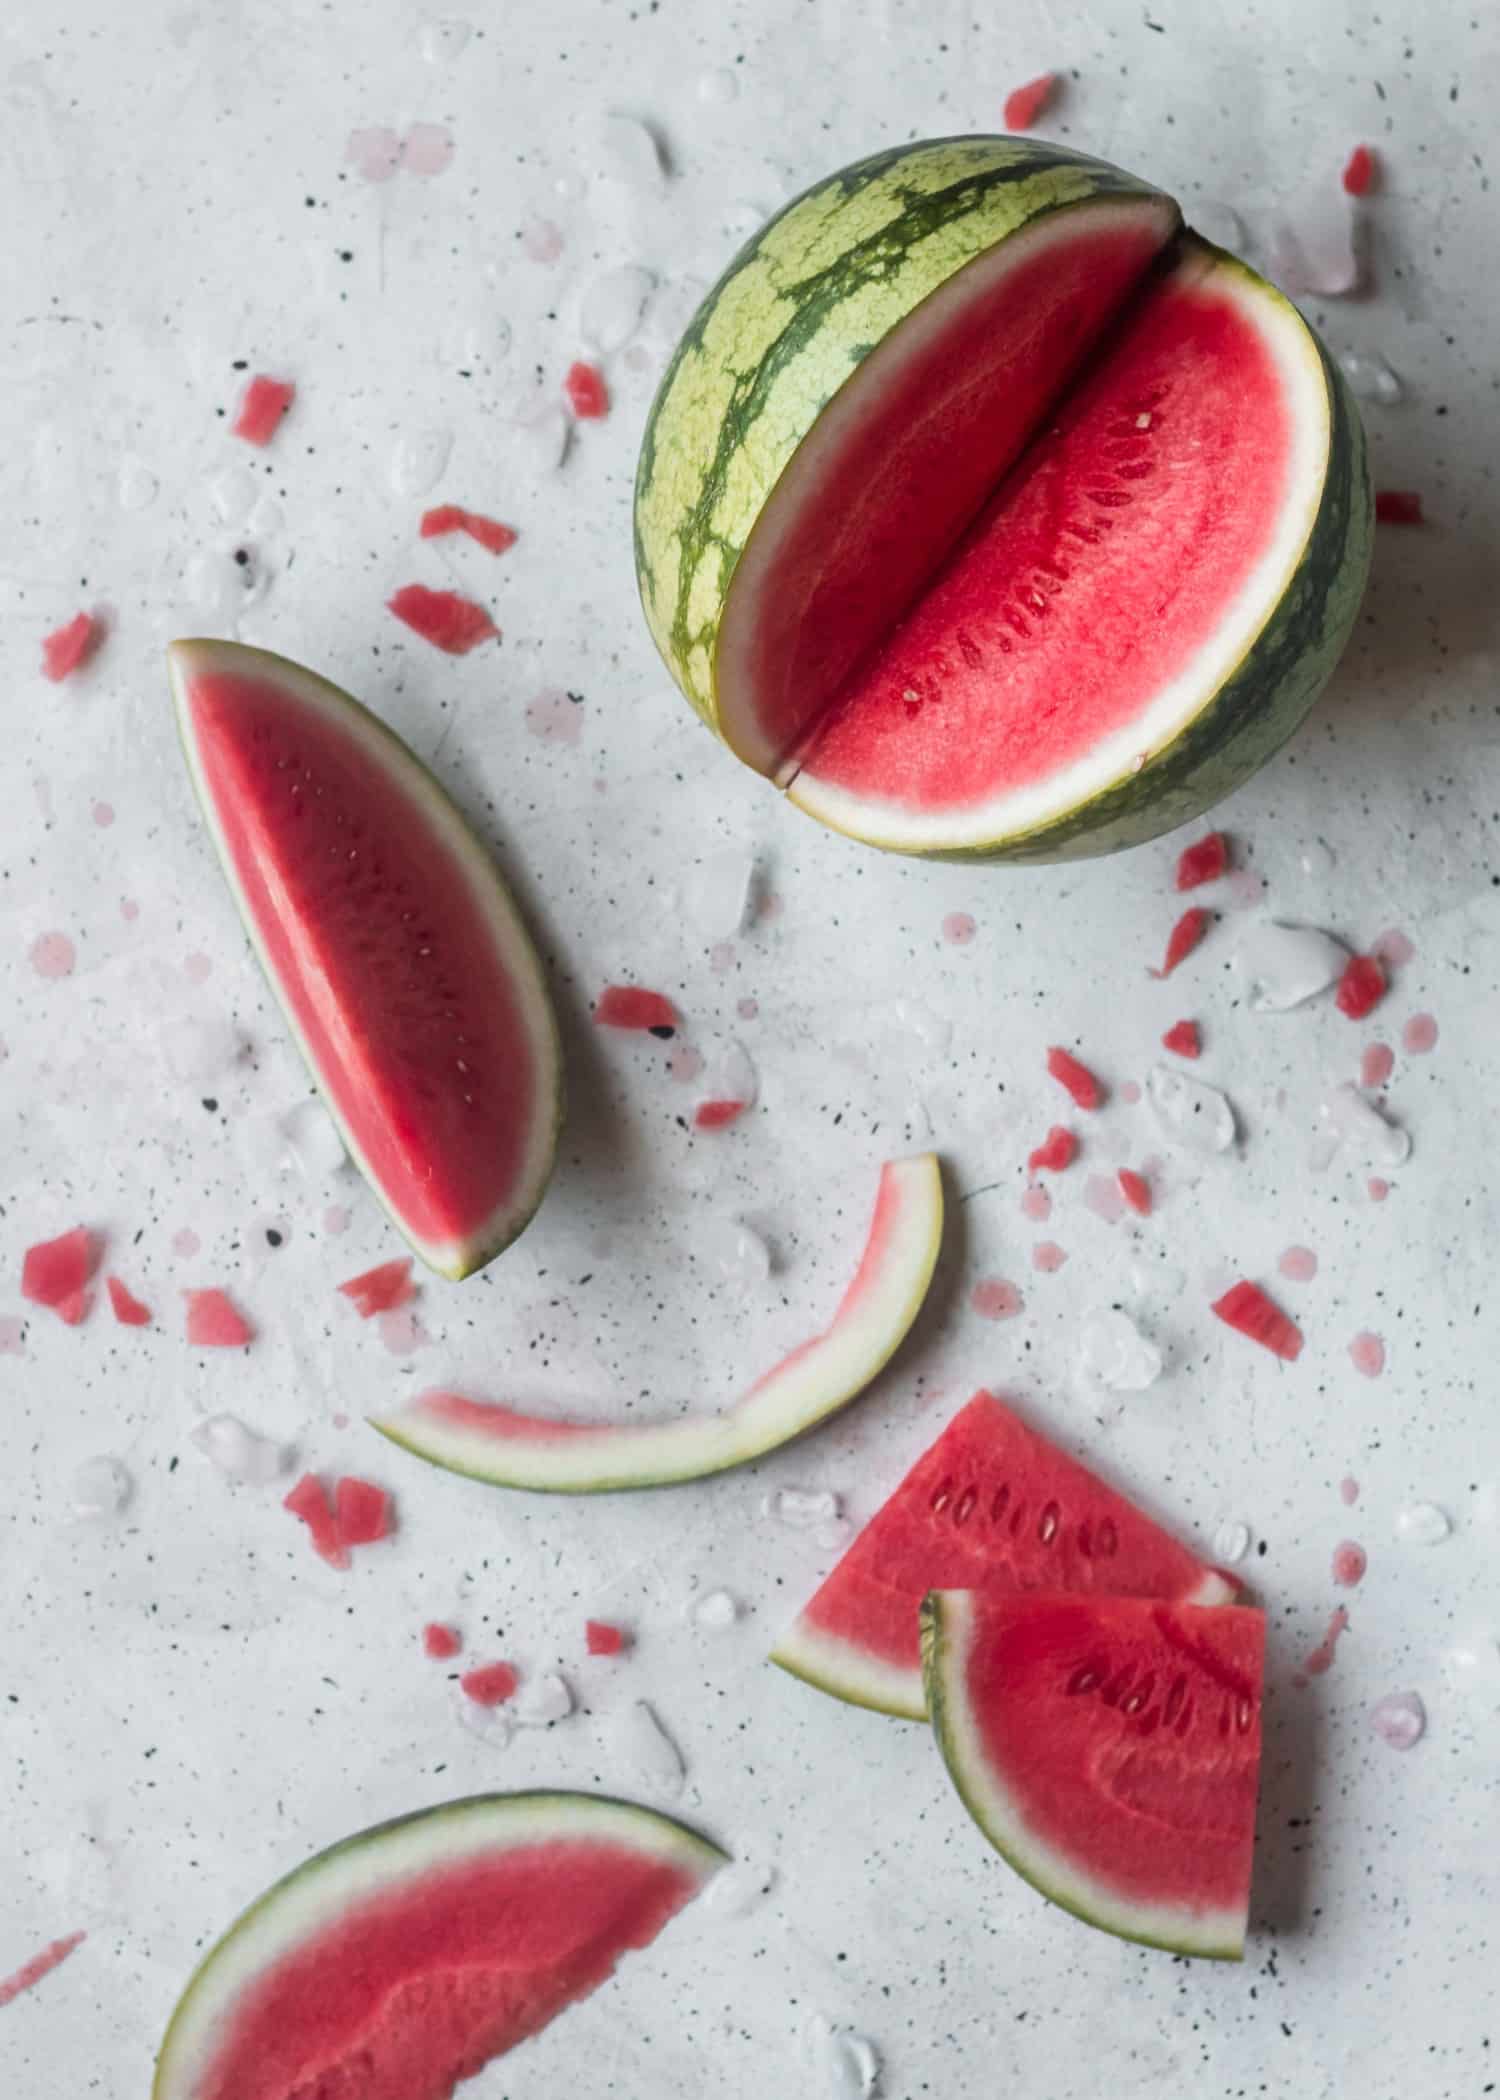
[
  {"x": 1118, "y": 1685},
  {"x": 1046, "y": 1530},
  {"x": 997, "y": 1507},
  {"x": 1109, "y": 1539},
  {"x": 1242, "y": 1715},
  {"x": 943, "y": 1495},
  {"x": 1086, "y": 1678},
  {"x": 1137, "y": 1699},
  {"x": 1176, "y": 1693},
  {"x": 964, "y": 1508}
]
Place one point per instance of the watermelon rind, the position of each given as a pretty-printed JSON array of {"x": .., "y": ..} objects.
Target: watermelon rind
[
  {"x": 316, "y": 1893},
  {"x": 454, "y": 1259},
  {"x": 946, "y": 1622},
  {"x": 814, "y": 1382}
]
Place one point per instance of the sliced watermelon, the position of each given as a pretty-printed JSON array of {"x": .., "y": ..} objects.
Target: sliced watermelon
[
  {"x": 603, "y": 1639},
  {"x": 1183, "y": 1039},
  {"x": 1055, "y": 1154},
  {"x": 1246, "y": 1308},
  {"x": 67, "y": 649},
  {"x": 1023, "y": 105},
  {"x": 127, "y": 1308},
  {"x": 991, "y": 1506},
  {"x": 1136, "y": 1190},
  {"x": 1204, "y": 861},
  {"x": 55, "y": 1271},
  {"x": 588, "y": 396},
  {"x": 1109, "y": 1748},
  {"x": 264, "y": 403},
  {"x": 447, "y": 619},
  {"x": 631, "y": 1006},
  {"x": 441, "y": 1642},
  {"x": 362, "y": 1511},
  {"x": 1362, "y": 987},
  {"x": 1188, "y": 934},
  {"x": 401, "y": 963},
  {"x": 1071, "y": 1073},
  {"x": 399, "y": 1962},
  {"x": 1398, "y": 507},
  {"x": 512, "y": 1449},
  {"x": 308, "y": 1502},
  {"x": 380, "y": 1289},
  {"x": 490, "y": 1684},
  {"x": 214, "y": 1321},
  {"x": 450, "y": 517}
]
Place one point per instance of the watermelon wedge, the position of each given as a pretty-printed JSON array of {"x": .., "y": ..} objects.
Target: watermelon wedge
[
  {"x": 989, "y": 512},
  {"x": 994, "y": 1507},
  {"x": 401, "y": 964},
  {"x": 511, "y": 1449},
  {"x": 402, "y": 1960},
  {"x": 1109, "y": 1749}
]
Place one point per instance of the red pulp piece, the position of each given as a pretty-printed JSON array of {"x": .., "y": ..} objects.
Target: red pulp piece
[
  {"x": 1184, "y": 938},
  {"x": 55, "y": 1270},
  {"x": 1361, "y": 988},
  {"x": 1076, "y": 1077},
  {"x": 67, "y": 648},
  {"x": 362, "y": 1511},
  {"x": 448, "y": 517},
  {"x": 214, "y": 1323},
  {"x": 631, "y": 1006},
  {"x": 491, "y": 1684},
  {"x": 128, "y": 1310},
  {"x": 714, "y": 1115},
  {"x": 381, "y": 1288},
  {"x": 1057, "y": 1150},
  {"x": 1359, "y": 172},
  {"x": 1398, "y": 507},
  {"x": 262, "y": 406},
  {"x": 588, "y": 396},
  {"x": 448, "y": 620},
  {"x": 603, "y": 1639},
  {"x": 1183, "y": 1039},
  {"x": 1136, "y": 1190},
  {"x": 309, "y": 1503},
  {"x": 1204, "y": 861},
  {"x": 442, "y": 1643},
  {"x": 1023, "y": 105},
  {"x": 1246, "y": 1308}
]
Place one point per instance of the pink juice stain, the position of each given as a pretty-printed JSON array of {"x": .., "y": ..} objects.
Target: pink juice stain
[
  {"x": 959, "y": 929},
  {"x": 53, "y": 955},
  {"x": 1348, "y": 1491},
  {"x": 685, "y": 1064},
  {"x": 541, "y": 241},
  {"x": 1349, "y": 1563},
  {"x": 1377, "y": 1065},
  {"x": 1367, "y": 1354},
  {"x": 12, "y": 1332},
  {"x": 1047, "y": 1256},
  {"x": 103, "y": 814},
  {"x": 552, "y": 718},
  {"x": 721, "y": 957},
  {"x": 1036, "y": 1204},
  {"x": 995, "y": 1298},
  {"x": 1393, "y": 947},
  {"x": 199, "y": 967},
  {"x": 1101, "y": 1192},
  {"x": 129, "y": 909},
  {"x": 185, "y": 1243},
  {"x": 374, "y": 152},
  {"x": 1377, "y": 1188},
  {"x": 335, "y": 1218},
  {"x": 747, "y": 1009},
  {"x": 1130, "y": 1092},
  {"x": 1419, "y": 1035},
  {"x": 427, "y": 150},
  {"x": 1320, "y": 1661},
  {"x": 1298, "y": 1264}
]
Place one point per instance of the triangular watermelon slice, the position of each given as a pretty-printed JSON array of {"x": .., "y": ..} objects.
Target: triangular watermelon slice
[
  {"x": 991, "y": 1506},
  {"x": 1109, "y": 1748}
]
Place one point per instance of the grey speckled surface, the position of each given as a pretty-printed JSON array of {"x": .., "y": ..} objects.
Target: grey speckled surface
[{"x": 188, "y": 1701}]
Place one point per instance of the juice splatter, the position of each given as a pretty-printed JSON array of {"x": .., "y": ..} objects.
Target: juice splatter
[
  {"x": 994, "y": 1298},
  {"x": 1419, "y": 1035},
  {"x": 1349, "y": 1563},
  {"x": 53, "y": 955},
  {"x": 1036, "y": 1204},
  {"x": 1367, "y": 1354},
  {"x": 1298, "y": 1264},
  {"x": 959, "y": 929},
  {"x": 1348, "y": 1491},
  {"x": 1377, "y": 1065},
  {"x": 1047, "y": 1256},
  {"x": 1320, "y": 1660}
]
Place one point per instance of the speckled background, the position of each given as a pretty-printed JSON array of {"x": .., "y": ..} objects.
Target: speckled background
[{"x": 189, "y": 1702}]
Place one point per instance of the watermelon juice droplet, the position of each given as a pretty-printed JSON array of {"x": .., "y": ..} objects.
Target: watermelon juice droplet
[
  {"x": 1349, "y": 1563},
  {"x": 100, "y": 1489},
  {"x": 1399, "y": 1719}
]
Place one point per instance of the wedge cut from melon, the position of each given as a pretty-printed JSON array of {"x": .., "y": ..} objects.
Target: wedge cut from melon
[
  {"x": 399, "y": 1962},
  {"x": 513, "y": 1449},
  {"x": 1109, "y": 1749},
  {"x": 994, "y": 1506},
  {"x": 403, "y": 968}
]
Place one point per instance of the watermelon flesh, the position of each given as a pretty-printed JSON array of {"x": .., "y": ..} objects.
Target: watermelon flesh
[
  {"x": 994, "y": 1507},
  {"x": 400, "y": 1962},
  {"x": 1109, "y": 1747},
  {"x": 54, "y": 1272},
  {"x": 399, "y": 959}
]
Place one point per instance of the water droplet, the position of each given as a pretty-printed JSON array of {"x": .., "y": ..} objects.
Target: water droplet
[
  {"x": 736, "y": 1251},
  {"x": 137, "y": 486},
  {"x": 1312, "y": 244},
  {"x": 1232, "y": 1540},
  {"x": 542, "y": 240},
  {"x": 1472, "y": 1667},
  {"x": 718, "y": 87},
  {"x": 541, "y": 1701},
  {"x": 801, "y": 1509},
  {"x": 441, "y": 42},
  {"x": 614, "y": 306},
  {"x": 634, "y": 153},
  {"x": 1423, "y": 1524},
  {"x": 543, "y": 438},
  {"x": 715, "y": 1611},
  {"x": 729, "y": 1074},
  {"x": 848, "y": 2063},
  {"x": 1399, "y": 1719},
  {"x": 232, "y": 493},
  {"x": 1353, "y": 1123},
  {"x": 649, "y": 1756},
  {"x": 1370, "y": 377},
  {"x": 737, "y": 1890},
  {"x": 494, "y": 1725},
  {"x": 427, "y": 150},
  {"x": 1116, "y": 1355},
  {"x": 1284, "y": 966},
  {"x": 100, "y": 1490},
  {"x": 717, "y": 895},
  {"x": 1220, "y": 223},
  {"x": 834, "y": 1535},
  {"x": 1193, "y": 1115},
  {"x": 418, "y": 459},
  {"x": 743, "y": 217},
  {"x": 1316, "y": 859},
  {"x": 239, "y": 1453},
  {"x": 311, "y": 1141},
  {"x": 197, "y": 1049}
]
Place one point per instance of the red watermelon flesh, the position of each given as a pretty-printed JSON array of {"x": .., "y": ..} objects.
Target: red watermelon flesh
[
  {"x": 54, "y": 1272},
  {"x": 1109, "y": 561},
  {"x": 1110, "y": 1748},
  {"x": 992, "y": 1506}
]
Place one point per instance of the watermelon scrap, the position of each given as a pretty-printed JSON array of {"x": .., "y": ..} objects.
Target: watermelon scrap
[
  {"x": 213, "y": 1322},
  {"x": 362, "y": 1511},
  {"x": 1080, "y": 1082},
  {"x": 1398, "y": 507},
  {"x": 630, "y": 1006},
  {"x": 442, "y": 1643},
  {"x": 128, "y": 1310},
  {"x": 1204, "y": 861},
  {"x": 1359, "y": 172},
  {"x": 715, "y": 1115},
  {"x": 1183, "y": 1039},
  {"x": 1246, "y": 1308},
  {"x": 1023, "y": 105},
  {"x": 447, "y": 619},
  {"x": 1136, "y": 1190},
  {"x": 1057, "y": 1150},
  {"x": 1361, "y": 988},
  {"x": 309, "y": 1503},
  {"x": 30, "y": 1973},
  {"x": 491, "y": 1684},
  {"x": 262, "y": 406},
  {"x": 68, "y": 648},
  {"x": 54, "y": 1272},
  {"x": 588, "y": 396},
  {"x": 379, "y": 1289},
  {"x": 1184, "y": 938},
  {"x": 604, "y": 1639},
  {"x": 449, "y": 517}
]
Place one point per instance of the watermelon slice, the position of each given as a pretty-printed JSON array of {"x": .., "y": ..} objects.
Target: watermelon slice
[
  {"x": 512, "y": 1449},
  {"x": 401, "y": 963},
  {"x": 54, "y": 1272},
  {"x": 380, "y": 1289},
  {"x": 1109, "y": 1748},
  {"x": 447, "y": 619},
  {"x": 991, "y": 1506},
  {"x": 402, "y": 1960}
]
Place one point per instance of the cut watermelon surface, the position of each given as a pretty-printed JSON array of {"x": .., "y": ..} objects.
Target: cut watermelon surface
[
  {"x": 401, "y": 963},
  {"x": 991, "y": 1506},
  {"x": 400, "y": 1962},
  {"x": 55, "y": 1271},
  {"x": 1109, "y": 1748}
]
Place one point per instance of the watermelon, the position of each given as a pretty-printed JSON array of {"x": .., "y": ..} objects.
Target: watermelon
[
  {"x": 494, "y": 537},
  {"x": 991, "y": 1506},
  {"x": 447, "y": 619},
  {"x": 214, "y": 1321},
  {"x": 509, "y": 1448},
  {"x": 1109, "y": 1749},
  {"x": 380, "y": 1289},
  {"x": 990, "y": 513},
  {"x": 401, "y": 1961},
  {"x": 262, "y": 406},
  {"x": 399, "y": 959},
  {"x": 54, "y": 1272}
]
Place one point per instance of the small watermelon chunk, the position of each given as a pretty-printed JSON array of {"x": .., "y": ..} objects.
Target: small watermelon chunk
[
  {"x": 588, "y": 396},
  {"x": 991, "y": 1506},
  {"x": 1361, "y": 988},
  {"x": 449, "y": 517},
  {"x": 1204, "y": 861},
  {"x": 1080, "y": 1082},
  {"x": 1359, "y": 172},
  {"x": 1057, "y": 1151},
  {"x": 67, "y": 649},
  {"x": 362, "y": 1511},
  {"x": 1183, "y": 1039},
  {"x": 717, "y": 1115},
  {"x": 213, "y": 1322},
  {"x": 1023, "y": 105},
  {"x": 128, "y": 1310},
  {"x": 53, "y": 1272},
  {"x": 74, "y": 1309},
  {"x": 603, "y": 1639},
  {"x": 630, "y": 1006},
  {"x": 490, "y": 1684},
  {"x": 380, "y": 1289},
  {"x": 442, "y": 1643},
  {"x": 1246, "y": 1308},
  {"x": 1109, "y": 1749},
  {"x": 1398, "y": 507},
  {"x": 447, "y": 619},
  {"x": 1136, "y": 1190},
  {"x": 1184, "y": 938},
  {"x": 262, "y": 406},
  {"x": 309, "y": 1503}
]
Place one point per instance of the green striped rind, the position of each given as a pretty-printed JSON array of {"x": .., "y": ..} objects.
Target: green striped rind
[{"x": 797, "y": 311}]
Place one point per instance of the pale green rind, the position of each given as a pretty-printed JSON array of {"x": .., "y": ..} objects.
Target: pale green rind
[
  {"x": 942, "y": 1670},
  {"x": 519, "y": 951},
  {"x": 534, "y": 1815},
  {"x": 842, "y": 1684}
]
